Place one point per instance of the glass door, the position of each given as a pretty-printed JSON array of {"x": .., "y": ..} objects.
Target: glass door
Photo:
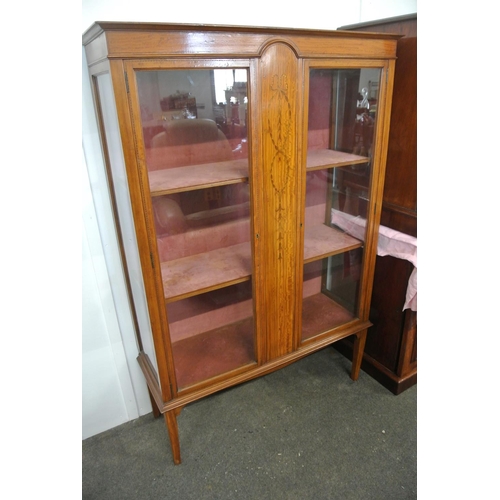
[
  {"x": 194, "y": 127},
  {"x": 341, "y": 124}
]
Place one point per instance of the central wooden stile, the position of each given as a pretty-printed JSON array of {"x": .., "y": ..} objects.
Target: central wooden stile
[{"x": 279, "y": 177}]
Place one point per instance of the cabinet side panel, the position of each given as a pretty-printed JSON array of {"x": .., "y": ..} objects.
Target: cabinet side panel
[
  {"x": 135, "y": 180},
  {"x": 278, "y": 95},
  {"x": 117, "y": 179},
  {"x": 377, "y": 187}
]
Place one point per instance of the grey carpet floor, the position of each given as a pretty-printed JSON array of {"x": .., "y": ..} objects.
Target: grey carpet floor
[{"x": 304, "y": 432}]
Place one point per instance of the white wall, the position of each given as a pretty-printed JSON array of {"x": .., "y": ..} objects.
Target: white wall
[
  {"x": 113, "y": 391},
  {"x": 320, "y": 14}
]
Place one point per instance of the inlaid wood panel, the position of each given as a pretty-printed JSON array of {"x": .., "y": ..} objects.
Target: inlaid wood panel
[{"x": 278, "y": 95}]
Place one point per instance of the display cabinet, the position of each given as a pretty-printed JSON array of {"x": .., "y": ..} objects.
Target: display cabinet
[{"x": 246, "y": 168}]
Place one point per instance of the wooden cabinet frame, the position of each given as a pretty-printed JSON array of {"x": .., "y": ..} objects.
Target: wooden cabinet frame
[{"x": 278, "y": 62}]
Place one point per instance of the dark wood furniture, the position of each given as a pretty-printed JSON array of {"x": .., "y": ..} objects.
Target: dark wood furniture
[
  {"x": 391, "y": 347},
  {"x": 254, "y": 250}
]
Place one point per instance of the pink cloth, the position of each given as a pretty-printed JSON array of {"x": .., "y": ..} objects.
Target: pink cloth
[{"x": 390, "y": 242}]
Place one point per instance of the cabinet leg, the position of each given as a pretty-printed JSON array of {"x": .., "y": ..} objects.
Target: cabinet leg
[
  {"x": 173, "y": 432},
  {"x": 357, "y": 353}
]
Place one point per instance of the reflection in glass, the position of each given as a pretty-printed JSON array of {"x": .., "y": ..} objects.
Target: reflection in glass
[
  {"x": 341, "y": 127},
  {"x": 169, "y": 99}
]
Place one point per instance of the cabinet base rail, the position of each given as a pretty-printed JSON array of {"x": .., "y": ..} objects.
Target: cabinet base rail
[{"x": 171, "y": 409}]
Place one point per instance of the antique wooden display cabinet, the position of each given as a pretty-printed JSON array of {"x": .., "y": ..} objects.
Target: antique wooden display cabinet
[{"x": 246, "y": 168}]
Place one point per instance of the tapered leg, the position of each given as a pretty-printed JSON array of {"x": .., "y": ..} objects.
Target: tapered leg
[
  {"x": 173, "y": 432},
  {"x": 357, "y": 353}
]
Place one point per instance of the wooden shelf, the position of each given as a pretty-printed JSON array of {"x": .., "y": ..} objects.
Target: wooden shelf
[
  {"x": 226, "y": 266},
  {"x": 322, "y": 241},
  {"x": 320, "y": 314},
  {"x": 189, "y": 178},
  {"x": 213, "y": 353},
  {"x": 207, "y": 271},
  {"x": 318, "y": 159}
]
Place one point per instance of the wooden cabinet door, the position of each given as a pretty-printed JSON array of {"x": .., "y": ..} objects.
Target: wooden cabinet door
[
  {"x": 343, "y": 172},
  {"x": 194, "y": 178}
]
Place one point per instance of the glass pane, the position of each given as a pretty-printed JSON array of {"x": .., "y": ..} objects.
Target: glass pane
[
  {"x": 341, "y": 125},
  {"x": 195, "y": 136},
  {"x": 212, "y": 333}
]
